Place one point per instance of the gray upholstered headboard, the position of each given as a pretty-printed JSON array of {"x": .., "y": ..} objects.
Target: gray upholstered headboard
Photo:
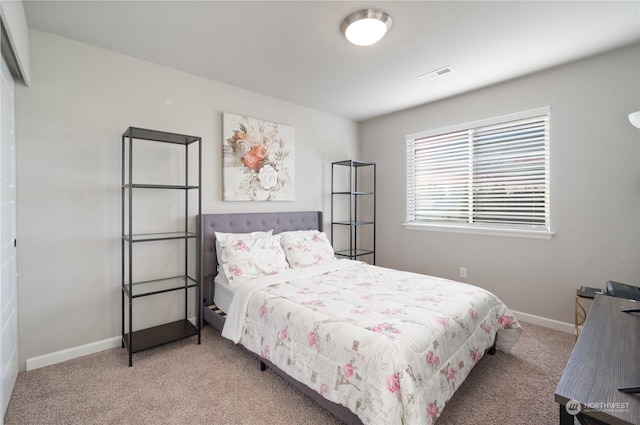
[{"x": 243, "y": 223}]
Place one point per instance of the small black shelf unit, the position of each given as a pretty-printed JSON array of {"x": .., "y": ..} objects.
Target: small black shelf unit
[
  {"x": 143, "y": 339},
  {"x": 353, "y": 208}
]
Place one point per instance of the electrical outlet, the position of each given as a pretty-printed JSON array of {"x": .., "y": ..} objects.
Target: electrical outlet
[{"x": 463, "y": 272}]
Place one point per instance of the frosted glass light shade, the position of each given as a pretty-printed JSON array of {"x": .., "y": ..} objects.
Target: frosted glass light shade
[
  {"x": 634, "y": 118},
  {"x": 366, "y": 27}
]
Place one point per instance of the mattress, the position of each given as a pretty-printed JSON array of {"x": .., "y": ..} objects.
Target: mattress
[{"x": 222, "y": 295}]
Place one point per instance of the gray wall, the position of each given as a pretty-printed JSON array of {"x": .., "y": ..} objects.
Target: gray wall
[
  {"x": 595, "y": 181},
  {"x": 69, "y": 127}
]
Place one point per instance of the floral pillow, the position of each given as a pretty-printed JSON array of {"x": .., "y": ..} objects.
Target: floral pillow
[
  {"x": 246, "y": 259},
  {"x": 307, "y": 249},
  {"x": 233, "y": 237}
]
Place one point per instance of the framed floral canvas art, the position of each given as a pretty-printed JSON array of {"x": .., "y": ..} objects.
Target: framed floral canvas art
[{"x": 258, "y": 159}]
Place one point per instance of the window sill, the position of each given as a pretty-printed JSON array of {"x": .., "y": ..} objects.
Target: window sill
[{"x": 492, "y": 231}]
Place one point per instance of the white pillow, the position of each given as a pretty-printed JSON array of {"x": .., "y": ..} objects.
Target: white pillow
[
  {"x": 243, "y": 260},
  {"x": 306, "y": 249},
  {"x": 227, "y": 237}
]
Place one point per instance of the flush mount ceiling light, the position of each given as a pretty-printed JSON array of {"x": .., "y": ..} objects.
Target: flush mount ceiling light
[{"x": 366, "y": 27}]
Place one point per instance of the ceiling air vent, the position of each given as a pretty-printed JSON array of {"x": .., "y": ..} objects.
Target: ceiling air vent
[{"x": 437, "y": 73}]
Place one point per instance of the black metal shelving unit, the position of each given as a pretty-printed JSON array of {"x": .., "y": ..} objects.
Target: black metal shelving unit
[
  {"x": 143, "y": 339},
  {"x": 361, "y": 205}
]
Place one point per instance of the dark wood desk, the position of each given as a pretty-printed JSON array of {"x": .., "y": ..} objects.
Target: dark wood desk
[{"x": 606, "y": 356}]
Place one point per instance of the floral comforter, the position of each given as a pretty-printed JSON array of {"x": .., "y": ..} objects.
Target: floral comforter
[{"x": 392, "y": 346}]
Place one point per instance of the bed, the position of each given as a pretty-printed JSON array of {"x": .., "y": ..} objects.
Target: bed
[{"x": 372, "y": 345}]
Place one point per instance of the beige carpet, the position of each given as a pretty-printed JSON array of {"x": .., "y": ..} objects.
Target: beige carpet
[{"x": 219, "y": 383}]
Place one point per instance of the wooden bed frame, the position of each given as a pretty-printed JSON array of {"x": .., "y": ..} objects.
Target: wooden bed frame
[{"x": 208, "y": 266}]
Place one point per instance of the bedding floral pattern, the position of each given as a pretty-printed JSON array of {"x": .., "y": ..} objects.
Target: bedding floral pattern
[
  {"x": 392, "y": 346},
  {"x": 306, "y": 249}
]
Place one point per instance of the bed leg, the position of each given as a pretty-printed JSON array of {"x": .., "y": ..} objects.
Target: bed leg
[
  {"x": 492, "y": 350},
  {"x": 263, "y": 367}
]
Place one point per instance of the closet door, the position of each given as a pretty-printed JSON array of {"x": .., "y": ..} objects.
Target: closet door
[{"x": 8, "y": 270}]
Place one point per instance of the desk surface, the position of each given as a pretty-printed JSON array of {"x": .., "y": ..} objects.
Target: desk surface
[{"x": 606, "y": 356}]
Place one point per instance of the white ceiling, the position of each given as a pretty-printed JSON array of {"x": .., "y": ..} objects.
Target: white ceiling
[{"x": 293, "y": 50}]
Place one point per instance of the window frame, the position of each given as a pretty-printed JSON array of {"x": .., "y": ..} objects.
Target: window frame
[{"x": 511, "y": 230}]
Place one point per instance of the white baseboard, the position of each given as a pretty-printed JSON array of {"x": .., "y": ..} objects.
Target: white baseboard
[
  {"x": 75, "y": 352},
  {"x": 72, "y": 353},
  {"x": 543, "y": 321}
]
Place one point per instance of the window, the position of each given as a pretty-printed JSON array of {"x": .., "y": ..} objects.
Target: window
[{"x": 490, "y": 176}]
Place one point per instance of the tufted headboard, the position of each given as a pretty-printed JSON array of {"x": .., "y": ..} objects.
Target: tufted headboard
[{"x": 243, "y": 223}]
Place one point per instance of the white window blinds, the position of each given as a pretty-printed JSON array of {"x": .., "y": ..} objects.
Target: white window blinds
[{"x": 492, "y": 174}]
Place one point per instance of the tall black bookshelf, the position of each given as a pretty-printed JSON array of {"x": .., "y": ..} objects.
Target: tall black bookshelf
[
  {"x": 353, "y": 209},
  {"x": 186, "y": 151}
]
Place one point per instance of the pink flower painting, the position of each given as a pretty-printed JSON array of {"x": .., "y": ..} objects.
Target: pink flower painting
[{"x": 258, "y": 160}]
